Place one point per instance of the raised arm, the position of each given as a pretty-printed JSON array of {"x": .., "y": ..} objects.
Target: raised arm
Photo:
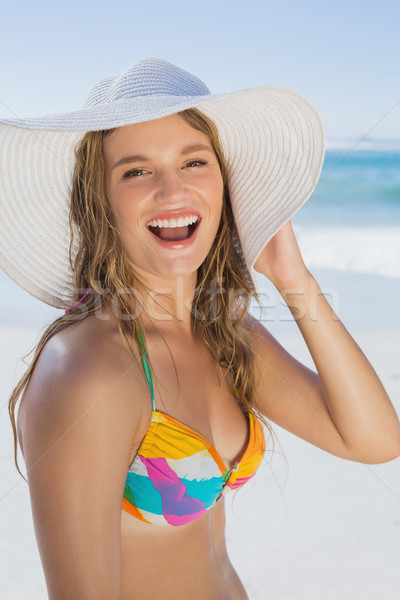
[
  {"x": 80, "y": 417},
  {"x": 343, "y": 408}
]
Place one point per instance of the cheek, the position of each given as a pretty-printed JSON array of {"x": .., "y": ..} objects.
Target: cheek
[
  {"x": 124, "y": 210},
  {"x": 220, "y": 203},
  {"x": 215, "y": 192}
]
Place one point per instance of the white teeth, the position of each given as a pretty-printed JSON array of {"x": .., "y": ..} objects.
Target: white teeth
[{"x": 179, "y": 222}]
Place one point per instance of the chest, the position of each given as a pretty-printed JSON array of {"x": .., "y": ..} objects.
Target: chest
[{"x": 190, "y": 387}]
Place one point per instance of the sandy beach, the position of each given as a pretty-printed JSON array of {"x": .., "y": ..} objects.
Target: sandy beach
[{"x": 309, "y": 526}]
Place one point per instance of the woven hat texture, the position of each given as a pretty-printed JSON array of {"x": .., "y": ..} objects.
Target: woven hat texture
[{"x": 272, "y": 140}]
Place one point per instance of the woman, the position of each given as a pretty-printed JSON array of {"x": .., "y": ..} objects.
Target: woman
[{"x": 149, "y": 392}]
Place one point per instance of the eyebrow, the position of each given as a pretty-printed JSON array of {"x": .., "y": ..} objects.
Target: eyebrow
[{"x": 141, "y": 158}]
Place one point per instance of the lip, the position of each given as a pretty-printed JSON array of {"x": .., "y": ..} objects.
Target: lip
[{"x": 178, "y": 245}]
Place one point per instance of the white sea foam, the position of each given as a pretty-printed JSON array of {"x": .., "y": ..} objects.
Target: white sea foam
[{"x": 373, "y": 249}]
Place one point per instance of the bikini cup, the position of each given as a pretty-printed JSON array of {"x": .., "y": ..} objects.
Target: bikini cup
[{"x": 177, "y": 475}]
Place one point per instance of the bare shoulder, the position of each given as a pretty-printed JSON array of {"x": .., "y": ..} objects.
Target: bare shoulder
[
  {"x": 85, "y": 368},
  {"x": 279, "y": 375},
  {"x": 261, "y": 338},
  {"x": 275, "y": 364}
]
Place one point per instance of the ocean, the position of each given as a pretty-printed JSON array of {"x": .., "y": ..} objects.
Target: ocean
[
  {"x": 352, "y": 221},
  {"x": 361, "y": 188}
]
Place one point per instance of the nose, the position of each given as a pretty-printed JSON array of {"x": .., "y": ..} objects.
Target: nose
[{"x": 170, "y": 188}]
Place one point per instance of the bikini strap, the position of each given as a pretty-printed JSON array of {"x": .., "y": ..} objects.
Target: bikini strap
[{"x": 146, "y": 366}]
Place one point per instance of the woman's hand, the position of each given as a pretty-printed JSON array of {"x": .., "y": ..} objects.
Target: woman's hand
[{"x": 281, "y": 260}]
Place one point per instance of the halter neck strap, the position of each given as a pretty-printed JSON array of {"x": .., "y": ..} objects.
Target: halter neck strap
[{"x": 146, "y": 366}]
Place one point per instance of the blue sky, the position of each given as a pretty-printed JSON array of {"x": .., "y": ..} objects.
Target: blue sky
[{"x": 343, "y": 56}]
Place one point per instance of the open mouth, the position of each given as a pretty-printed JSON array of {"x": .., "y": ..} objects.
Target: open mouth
[{"x": 174, "y": 230}]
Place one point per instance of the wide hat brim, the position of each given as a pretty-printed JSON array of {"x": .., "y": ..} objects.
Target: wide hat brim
[{"x": 273, "y": 144}]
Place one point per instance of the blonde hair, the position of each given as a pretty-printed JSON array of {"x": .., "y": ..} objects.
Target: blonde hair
[{"x": 222, "y": 294}]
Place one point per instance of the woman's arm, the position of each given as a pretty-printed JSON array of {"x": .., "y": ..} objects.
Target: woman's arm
[
  {"x": 79, "y": 421},
  {"x": 343, "y": 409}
]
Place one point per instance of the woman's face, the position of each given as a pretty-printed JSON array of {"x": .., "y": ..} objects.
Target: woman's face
[{"x": 165, "y": 189}]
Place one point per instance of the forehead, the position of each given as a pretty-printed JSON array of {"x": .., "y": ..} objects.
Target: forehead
[{"x": 170, "y": 132}]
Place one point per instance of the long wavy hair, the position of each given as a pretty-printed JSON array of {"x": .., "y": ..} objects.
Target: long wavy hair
[{"x": 223, "y": 290}]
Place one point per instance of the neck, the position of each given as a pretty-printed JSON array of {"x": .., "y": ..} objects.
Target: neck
[
  {"x": 163, "y": 303},
  {"x": 168, "y": 303}
]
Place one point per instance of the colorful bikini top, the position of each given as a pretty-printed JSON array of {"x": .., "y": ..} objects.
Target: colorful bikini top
[{"x": 177, "y": 475}]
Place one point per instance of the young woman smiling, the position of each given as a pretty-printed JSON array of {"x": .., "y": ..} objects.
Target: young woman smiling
[{"x": 143, "y": 404}]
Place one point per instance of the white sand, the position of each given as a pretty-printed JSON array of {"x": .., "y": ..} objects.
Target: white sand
[{"x": 310, "y": 526}]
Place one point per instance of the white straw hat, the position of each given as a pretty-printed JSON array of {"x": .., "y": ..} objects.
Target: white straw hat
[{"x": 272, "y": 140}]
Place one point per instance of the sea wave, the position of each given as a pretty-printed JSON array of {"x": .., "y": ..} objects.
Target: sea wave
[{"x": 374, "y": 250}]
